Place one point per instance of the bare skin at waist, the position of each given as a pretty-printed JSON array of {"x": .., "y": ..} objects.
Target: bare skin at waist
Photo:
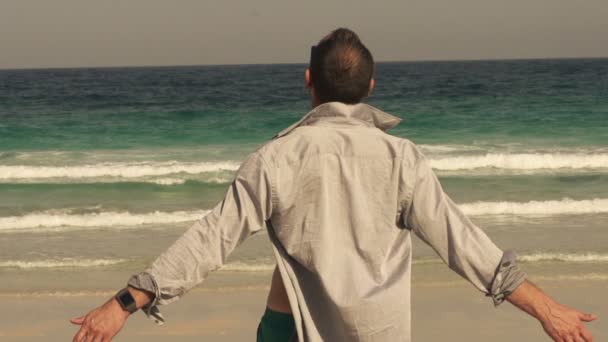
[{"x": 277, "y": 297}]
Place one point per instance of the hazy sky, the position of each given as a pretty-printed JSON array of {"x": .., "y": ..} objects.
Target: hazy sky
[{"x": 70, "y": 33}]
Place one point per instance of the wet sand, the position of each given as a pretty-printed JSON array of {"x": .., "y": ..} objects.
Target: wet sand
[{"x": 442, "y": 311}]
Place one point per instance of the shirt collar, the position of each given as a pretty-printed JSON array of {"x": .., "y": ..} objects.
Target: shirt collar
[{"x": 361, "y": 112}]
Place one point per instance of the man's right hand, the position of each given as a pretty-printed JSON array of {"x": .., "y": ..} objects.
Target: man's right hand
[
  {"x": 561, "y": 323},
  {"x": 102, "y": 323}
]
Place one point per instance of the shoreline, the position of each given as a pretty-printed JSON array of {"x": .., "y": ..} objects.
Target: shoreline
[
  {"x": 572, "y": 280},
  {"x": 455, "y": 311}
]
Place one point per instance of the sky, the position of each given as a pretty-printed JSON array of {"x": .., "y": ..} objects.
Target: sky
[{"x": 86, "y": 33}]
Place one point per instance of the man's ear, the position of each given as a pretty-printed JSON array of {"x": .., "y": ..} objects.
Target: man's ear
[
  {"x": 372, "y": 85},
  {"x": 307, "y": 79}
]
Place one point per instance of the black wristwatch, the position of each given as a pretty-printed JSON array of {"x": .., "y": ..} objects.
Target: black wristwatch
[{"x": 126, "y": 300}]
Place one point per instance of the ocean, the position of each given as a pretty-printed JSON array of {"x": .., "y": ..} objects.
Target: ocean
[{"x": 101, "y": 169}]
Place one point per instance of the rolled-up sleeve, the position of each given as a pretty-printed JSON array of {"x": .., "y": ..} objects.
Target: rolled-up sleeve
[
  {"x": 463, "y": 246},
  {"x": 205, "y": 246}
]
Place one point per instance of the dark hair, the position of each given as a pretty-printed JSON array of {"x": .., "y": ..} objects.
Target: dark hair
[{"x": 341, "y": 67}]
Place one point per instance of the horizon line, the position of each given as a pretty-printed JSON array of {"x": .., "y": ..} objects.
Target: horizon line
[{"x": 134, "y": 66}]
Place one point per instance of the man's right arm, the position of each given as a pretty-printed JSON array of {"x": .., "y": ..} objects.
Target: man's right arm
[
  {"x": 560, "y": 322},
  {"x": 203, "y": 248}
]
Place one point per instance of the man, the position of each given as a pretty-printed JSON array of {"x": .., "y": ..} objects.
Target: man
[{"x": 339, "y": 198}]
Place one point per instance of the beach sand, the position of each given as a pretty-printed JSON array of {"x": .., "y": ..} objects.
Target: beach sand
[{"x": 445, "y": 310}]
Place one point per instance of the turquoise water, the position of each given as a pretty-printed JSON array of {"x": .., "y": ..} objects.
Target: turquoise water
[
  {"x": 540, "y": 103},
  {"x": 96, "y": 157}
]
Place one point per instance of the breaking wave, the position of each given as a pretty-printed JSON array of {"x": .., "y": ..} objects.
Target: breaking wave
[
  {"x": 524, "y": 161},
  {"x": 527, "y": 258},
  {"x": 244, "y": 267},
  {"x": 541, "y": 208},
  {"x": 59, "y": 220},
  {"x": 167, "y": 173},
  {"x": 51, "y": 219},
  {"x": 268, "y": 266},
  {"x": 60, "y": 263},
  {"x": 119, "y": 170},
  {"x": 565, "y": 257}
]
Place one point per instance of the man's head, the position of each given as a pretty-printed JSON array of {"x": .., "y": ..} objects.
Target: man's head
[{"x": 341, "y": 69}]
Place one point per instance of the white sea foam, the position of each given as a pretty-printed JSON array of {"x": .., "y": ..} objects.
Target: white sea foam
[
  {"x": 60, "y": 263},
  {"x": 565, "y": 257},
  {"x": 524, "y": 161},
  {"x": 266, "y": 266},
  {"x": 169, "y": 181},
  {"x": 57, "y": 219},
  {"x": 244, "y": 267},
  {"x": 60, "y": 220},
  {"x": 528, "y": 258},
  {"x": 573, "y": 277},
  {"x": 165, "y": 172},
  {"x": 448, "y": 148},
  {"x": 237, "y": 266},
  {"x": 219, "y": 179},
  {"x": 215, "y": 179},
  {"x": 542, "y": 257},
  {"x": 540, "y": 208},
  {"x": 120, "y": 170}
]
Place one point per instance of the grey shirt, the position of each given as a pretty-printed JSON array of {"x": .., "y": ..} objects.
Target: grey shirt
[{"x": 339, "y": 198}]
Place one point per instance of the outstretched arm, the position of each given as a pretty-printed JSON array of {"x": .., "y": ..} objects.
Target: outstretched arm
[
  {"x": 560, "y": 322},
  {"x": 203, "y": 248},
  {"x": 467, "y": 250},
  {"x": 463, "y": 246}
]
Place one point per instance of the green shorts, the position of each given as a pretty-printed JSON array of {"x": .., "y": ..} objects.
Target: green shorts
[{"x": 276, "y": 327}]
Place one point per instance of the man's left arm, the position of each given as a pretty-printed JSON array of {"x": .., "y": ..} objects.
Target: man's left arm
[
  {"x": 560, "y": 322},
  {"x": 467, "y": 250},
  {"x": 463, "y": 246}
]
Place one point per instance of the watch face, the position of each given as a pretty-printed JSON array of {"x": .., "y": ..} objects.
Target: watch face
[{"x": 126, "y": 300}]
